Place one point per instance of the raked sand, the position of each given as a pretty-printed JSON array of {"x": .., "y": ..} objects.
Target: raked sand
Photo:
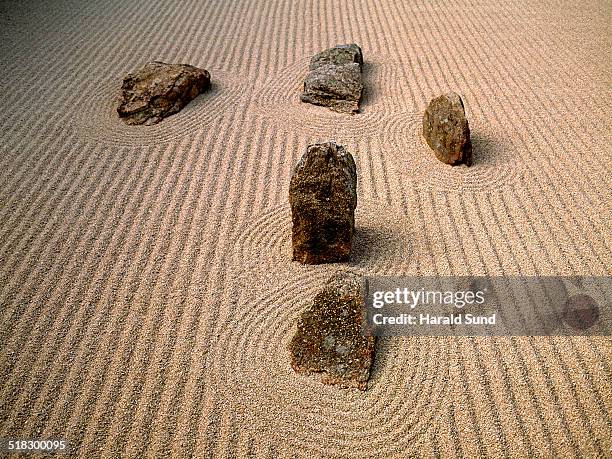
[{"x": 146, "y": 290}]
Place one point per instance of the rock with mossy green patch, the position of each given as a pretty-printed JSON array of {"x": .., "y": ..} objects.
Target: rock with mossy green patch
[{"x": 331, "y": 337}]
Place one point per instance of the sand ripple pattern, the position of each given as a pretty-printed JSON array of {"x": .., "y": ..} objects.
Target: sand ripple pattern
[
  {"x": 278, "y": 98},
  {"x": 97, "y": 120},
  {"x": 494, "y": 164},
  {"x": 384, "y": 242},
  {"x": 389, "y": 117},
  {"x": 147, "y": 290},
  {"x": 408, "y": 388}
]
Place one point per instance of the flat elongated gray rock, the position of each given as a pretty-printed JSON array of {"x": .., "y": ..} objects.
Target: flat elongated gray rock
[
  {"x": 446, "y": 130},
  {"x": 159, "y": 90},
  {"x": 330, "y": 337},
  {"x": 323, "y": 198},
  {"x": 334, "y": 79}
]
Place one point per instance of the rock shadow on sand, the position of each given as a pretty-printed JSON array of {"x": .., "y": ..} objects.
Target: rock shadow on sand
[
  {"x": 371, "y": 94},
  {"x": 489, "y": 151},
  {"x": 379, "y": 247}
]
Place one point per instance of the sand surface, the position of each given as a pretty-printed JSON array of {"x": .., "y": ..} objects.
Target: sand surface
[{"x": 146, "y": 291}]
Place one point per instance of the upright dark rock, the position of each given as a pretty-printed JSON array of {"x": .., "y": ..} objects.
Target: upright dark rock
[
  {"x": 159, "y": 90},
  {"x": 334, "y": 79},
  {"x": 330, "y": 337},
  {"x": 323, "y": 197},
  {"x": 446, "y": 130}
]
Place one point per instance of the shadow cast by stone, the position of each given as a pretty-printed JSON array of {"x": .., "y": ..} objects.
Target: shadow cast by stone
[
  {"x": 215, "y": 89},
  {"x": 371, "y": 244},
  {"x": 370, "y": 94},
  {"x": 488, "y": 150},
  {"x": 384, "y": 348}
]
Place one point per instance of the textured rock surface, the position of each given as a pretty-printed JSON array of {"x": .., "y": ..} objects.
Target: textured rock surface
[
  {"x": 323, "y": 197},
  {"x": 334, "y": 79},
  {"x": 446, "y": 130},
  {"x": 330, "y": 335},
  {"x": 158, "y": 90},
  {"x": 338, "y": 55}
]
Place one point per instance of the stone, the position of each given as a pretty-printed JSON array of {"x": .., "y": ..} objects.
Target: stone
[
  {"x": 446, "y": 130},
  {"x": 337, "y": 87},
  {"x": 159, "y": 90},
  {"x": 323, "y": 198},
  {"x": 334, "y": 79},
  {"x": 331, "y": 336},
  {"x": 338, "y": 55}
]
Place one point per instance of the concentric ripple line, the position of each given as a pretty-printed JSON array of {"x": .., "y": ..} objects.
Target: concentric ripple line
[
  {"x": 52, "y": 72},
  {"x": 445, "y": 33},
  {"x": 159, "y": 132},
  {"x": 519, "y": 133},
  {"x": 60, "y": 117},
  {"x": 118, "y": 442},
  {"x": 230, "y": 161},
  {"x": 236, "y": 344},
  {"x": 545, "y": 104},
  {"x": 26, "y": 335},
  {"x": 225, "y": 359},
  {"x": 75, "y": 292},
  {"x": 87, "y": 89},
  {"x": 62, "y": 114}
]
